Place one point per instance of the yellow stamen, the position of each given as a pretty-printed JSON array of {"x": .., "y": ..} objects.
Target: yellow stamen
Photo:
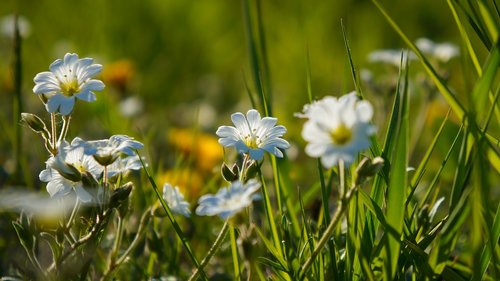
[
  {"x": 70, "y": 87},
  {"x": 341, "y": 135}
]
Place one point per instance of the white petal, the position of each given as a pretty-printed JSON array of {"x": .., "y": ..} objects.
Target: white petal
[{"x": 83, "y": 195}]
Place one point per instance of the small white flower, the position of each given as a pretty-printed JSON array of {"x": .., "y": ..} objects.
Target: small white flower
[
  {"x": 68, "y": 79},
  {"x": 7, "y": 25},
  {"x": 108, "y": 150},
  {"x": 124, "y": 164},
  {"x": 175, "y": 200},
  {"x": 389, "y": 56},
  {"x": 253, "y": 135},
  {"x": 441, "y": 51},
  {"x": 65, "y": 172},
  {"x": 229, "y": 200},
  {"x": 337, "y": 129}
]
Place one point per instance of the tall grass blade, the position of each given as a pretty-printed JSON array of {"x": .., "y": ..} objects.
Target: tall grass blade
[{"x": 396, "y": 190}]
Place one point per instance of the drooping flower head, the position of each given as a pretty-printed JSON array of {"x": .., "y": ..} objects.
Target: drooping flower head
[
  {"x": 108, "y": 150},
  {"x": 229, "y": 200},
  {"x": 68, "y": 79},
  {"x": 124, "y": 164},
  {"x": 175, "y": 200},
  {"x": 71, "y": 169},
  {"x": 337, "y": 128},
  {"x": 253, "y": 135}
]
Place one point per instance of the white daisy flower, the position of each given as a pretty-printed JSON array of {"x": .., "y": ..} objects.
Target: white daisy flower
[
  {"x": 441, "y": 51},
  {"x": 337, "y": 129},
  {"x": 175, "y": 200},
  {"x": 68, "y": 79},
  {"x": 108, "y": 150},
  {"x": 229, "y": 200},
  {"x": 253, "y": 135},
  {"x": 67, "y": 171}
]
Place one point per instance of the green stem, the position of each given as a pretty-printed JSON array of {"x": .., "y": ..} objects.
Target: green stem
[
  {"x": 269, "y": 215},
  {"x": 53, "y": 134},
  {"x": 212, "y": 251},
  {"x": 234, "y": 253},
  {"x": 170, "y": 216},
  {"x": 341, "y": 208}
]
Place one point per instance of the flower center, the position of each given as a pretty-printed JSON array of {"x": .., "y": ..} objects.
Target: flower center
[
  {"x": 252, "y": 141},
  {"x": 70, "y": 87},
  {"x": 341, "y": 135}
]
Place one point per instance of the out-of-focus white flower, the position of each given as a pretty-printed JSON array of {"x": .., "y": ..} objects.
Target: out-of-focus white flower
[
  {"x": 229, "y": 200},
  {"x": 175, "y": 200},
  {"x": 337, "y": 128},
  {"x": 253, "y": 135},
  {"x": 7, "y": 25},
  {"x": 392, "y": 57},
  {"x": 68, "y": 79},
  {"x": 68, "y": 170},
  {"x": 131, "y": 106},
  {"x": 108, "y": 150},
  {"x": 441, "y": 51},
  {"x": 124, "y": 164}
]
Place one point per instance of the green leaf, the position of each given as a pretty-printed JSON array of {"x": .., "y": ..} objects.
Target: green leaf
[{"x": 398, "y": 182}]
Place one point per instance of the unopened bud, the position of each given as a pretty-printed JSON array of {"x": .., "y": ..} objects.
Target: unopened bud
[
  {"x": 120, "y": 194},
  {"x": 230, "y": 174},
  {"x": 252, "y": 170},
  {"x": 34, "y": 122},
  {"x": 368, "y": 168}
]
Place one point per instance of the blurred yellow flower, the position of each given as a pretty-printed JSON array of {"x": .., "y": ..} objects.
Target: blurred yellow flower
[
  {"x": 189, "y": 181},
  {"x": 118, "y": 74},
  {"x": 202, "y": 148}
]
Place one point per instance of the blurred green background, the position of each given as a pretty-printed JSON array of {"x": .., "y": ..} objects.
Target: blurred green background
[{"x": 187, "y": 59}]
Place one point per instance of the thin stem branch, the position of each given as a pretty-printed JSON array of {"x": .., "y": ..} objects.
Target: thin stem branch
[
  {"x": 341, "y": 208},
  {"x": 53, "y": 134},
  {"x": 212, "y": 251}
]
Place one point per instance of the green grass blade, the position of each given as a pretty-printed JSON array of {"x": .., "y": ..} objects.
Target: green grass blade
[
  {"x": 396, "y": 190},
  {"x": 489, "y": 248},
  {"x": 484, "y": 84}
]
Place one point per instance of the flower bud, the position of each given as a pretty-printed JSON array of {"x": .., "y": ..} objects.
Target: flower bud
[
  {"x": 35, "y": 123},
  {"x": 230, "y": 174},
  {"x": 252, "y": 170},
  {"x": 367, "y": 168},
  {"x": 69, "y": 172},
  {"x": 120, "y": 194}
]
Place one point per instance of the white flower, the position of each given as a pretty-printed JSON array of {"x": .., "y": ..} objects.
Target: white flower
[
  {"x": 123, "y": 165},
  {"x": 7, "y": 25},
  {"x": 68, "y": 79},
  {"x": 337, "y": 129},
  {"x": 253, "y": 135},
  {"x": 390, "y": 56},
  {"x": 67, "y": 170},
  {"x": 229, "y": 200},
  {"x": 175, "y": 200},
  {"x": 441, "y": 51},
  {"x": 108, "y": 150}
]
